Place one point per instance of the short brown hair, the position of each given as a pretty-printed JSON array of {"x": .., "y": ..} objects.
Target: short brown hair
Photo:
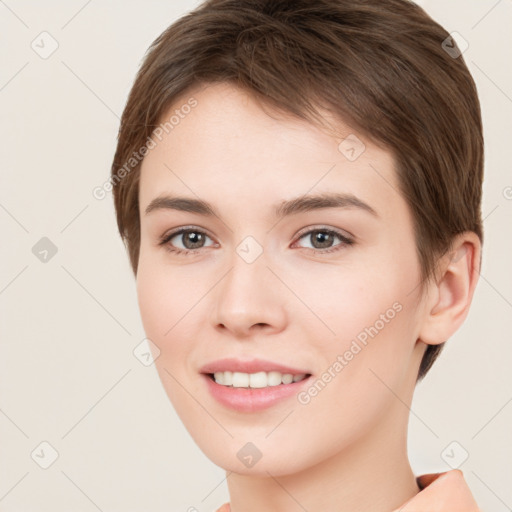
[{"x": 380, "y": 65}]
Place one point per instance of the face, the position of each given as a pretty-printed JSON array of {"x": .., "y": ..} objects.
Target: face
[{"x": 320, "y": 293}]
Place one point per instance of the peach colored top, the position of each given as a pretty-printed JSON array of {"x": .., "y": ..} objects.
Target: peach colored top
[{"x": 440, "y": 492}]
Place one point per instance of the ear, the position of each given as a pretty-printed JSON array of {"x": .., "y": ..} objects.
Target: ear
[{"x": 450, "y": 291}]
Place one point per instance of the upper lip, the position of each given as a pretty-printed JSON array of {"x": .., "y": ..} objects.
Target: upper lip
[{"x": 249, "y": 366}]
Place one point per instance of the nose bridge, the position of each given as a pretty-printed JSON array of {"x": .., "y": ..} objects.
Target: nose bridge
[{"x": 246, "y": 295}]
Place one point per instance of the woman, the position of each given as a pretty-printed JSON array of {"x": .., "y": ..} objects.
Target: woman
[{"x": 299, "y": 185}]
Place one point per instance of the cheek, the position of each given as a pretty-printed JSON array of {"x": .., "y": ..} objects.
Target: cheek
[
  {"x": 170, "y": 300},
  {"x": 162, "y": 301},
  {"x": 370, "y": 356},
  {"x": 164, "y": 294},
  {"x": 347, "y": 300},
  {"x": 371, "y": 315}
]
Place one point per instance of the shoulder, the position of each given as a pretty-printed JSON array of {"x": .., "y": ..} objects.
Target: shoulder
[
  {"x": 443, "y": 492},
  {"x": 224, "y": 508}
]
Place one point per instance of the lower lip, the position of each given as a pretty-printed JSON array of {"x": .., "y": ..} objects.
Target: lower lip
[{"x": 252, "y": 399}]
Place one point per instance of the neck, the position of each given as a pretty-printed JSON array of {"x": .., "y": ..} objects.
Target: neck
[{"x": 372, "y": 475}]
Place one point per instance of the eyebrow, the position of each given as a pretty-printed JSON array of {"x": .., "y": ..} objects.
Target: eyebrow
[{"x": 286, "y": 208}]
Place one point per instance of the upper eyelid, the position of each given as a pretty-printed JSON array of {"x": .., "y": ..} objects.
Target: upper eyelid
[
  {"x": 183, "y": 229},
  {"x": 338, "y": 231}
]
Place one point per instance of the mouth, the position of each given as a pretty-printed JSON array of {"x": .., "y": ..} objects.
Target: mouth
[
  {"x": 256, "y": 380},
  {"x": 253, "y": 385},
  {"x": 254, "y": 392}
]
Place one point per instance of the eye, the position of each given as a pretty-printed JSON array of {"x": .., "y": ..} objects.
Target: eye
[
  {"x": 191, "y": 239},
  {"x": 322, "y": 239}
]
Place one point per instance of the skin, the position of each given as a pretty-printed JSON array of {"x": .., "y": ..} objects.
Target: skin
[{"x": 345, "y": 450}]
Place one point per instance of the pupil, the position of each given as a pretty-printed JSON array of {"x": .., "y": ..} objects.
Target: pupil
[
  {"x": 194, "y": 238},
  {"x": 323, "y": 238}
]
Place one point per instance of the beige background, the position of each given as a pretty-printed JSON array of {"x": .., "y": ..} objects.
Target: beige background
[{"x": 68, "y": 375}]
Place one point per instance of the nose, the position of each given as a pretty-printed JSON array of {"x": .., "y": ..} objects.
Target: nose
[{"x": 249, "y": 299}]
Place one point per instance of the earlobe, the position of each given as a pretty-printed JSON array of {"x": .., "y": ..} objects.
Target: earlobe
[{"x": 450, "y": 296}]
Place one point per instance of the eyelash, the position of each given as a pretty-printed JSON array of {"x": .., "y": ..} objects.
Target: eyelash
[{"x": 165, "y": 239}]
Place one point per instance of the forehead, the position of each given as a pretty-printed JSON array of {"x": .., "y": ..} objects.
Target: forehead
[{"x": 226, "y": 146}]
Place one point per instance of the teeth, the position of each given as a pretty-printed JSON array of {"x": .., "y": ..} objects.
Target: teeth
[{"x": 255, "y": 380}]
